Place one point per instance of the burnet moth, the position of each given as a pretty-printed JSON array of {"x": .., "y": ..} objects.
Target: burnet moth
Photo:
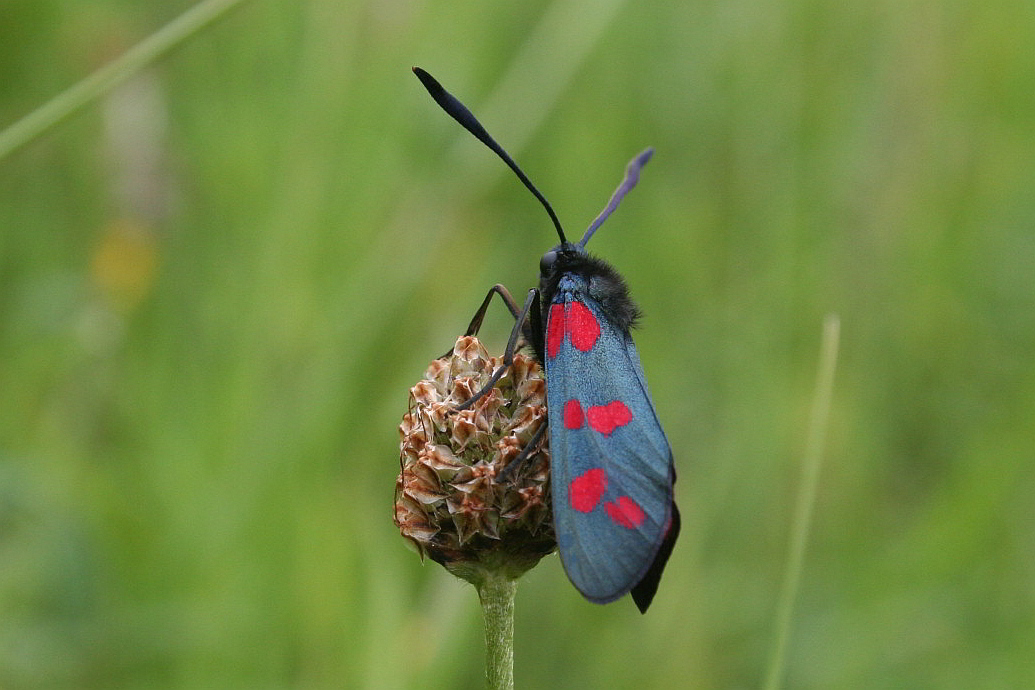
[{"x": 611, "y": 466}]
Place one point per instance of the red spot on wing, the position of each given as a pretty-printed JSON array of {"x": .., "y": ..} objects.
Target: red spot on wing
[
  {"x": 625, "y": 512},
  {"x": 582, "y": 326},
  {"x": 607, "y": 418},
  {"x": 586, "y": 489},
  {"x": 555, "y": 330},
  {"x": 573, "y": 416}
]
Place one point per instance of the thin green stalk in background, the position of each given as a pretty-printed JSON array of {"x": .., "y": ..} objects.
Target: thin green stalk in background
[
  {"x": 71, "y": 100},
  {"x": 552, "y": 52},
  {"x": 806, "y": 498},
  {"x": 496, "y": 592}
]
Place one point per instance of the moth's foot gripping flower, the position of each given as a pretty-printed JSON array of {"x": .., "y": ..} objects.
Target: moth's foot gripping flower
[{"x": 450, "y": 500}]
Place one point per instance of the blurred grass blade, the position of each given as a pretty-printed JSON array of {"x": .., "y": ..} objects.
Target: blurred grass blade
[
  {"x": 71, "y": 100},
  {"x": 806, "y": 498},
  {"x": 554, "y": 54}
]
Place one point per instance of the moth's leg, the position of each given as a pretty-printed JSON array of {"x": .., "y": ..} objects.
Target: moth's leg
[
  {"x": 497, "y": 289},
  {"x": 476, "y": 320},
  {"x": 508, "y": 354},
  {"x": 520, "y": 458}
]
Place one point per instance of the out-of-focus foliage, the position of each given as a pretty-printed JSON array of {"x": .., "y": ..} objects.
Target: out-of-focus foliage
[{"x": 217, "y": 284}]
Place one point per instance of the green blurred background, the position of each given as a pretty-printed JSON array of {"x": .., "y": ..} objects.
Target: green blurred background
[{"x": 218, "y": 283}]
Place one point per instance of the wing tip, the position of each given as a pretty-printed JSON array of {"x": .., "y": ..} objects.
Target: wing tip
[{"x": 643, "y": 591}]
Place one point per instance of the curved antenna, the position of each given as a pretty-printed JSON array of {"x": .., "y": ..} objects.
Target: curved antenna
[
  {"x": 632, "y": 176},
  {"x": 459, "y": 112}
]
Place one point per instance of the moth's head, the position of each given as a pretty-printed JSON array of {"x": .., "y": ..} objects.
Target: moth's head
[{"x": 558, "y": 258}]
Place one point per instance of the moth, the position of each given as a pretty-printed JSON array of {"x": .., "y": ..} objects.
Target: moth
[{"x": 612, "y": 472}]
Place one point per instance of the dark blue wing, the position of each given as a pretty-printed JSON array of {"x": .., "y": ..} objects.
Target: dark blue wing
[{"x": 611, "y": 463}]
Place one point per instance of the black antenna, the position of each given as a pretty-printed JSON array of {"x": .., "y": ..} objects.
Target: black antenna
[
  {"x": 632, "y": 176},
  {"x": 459, "y": 112}
]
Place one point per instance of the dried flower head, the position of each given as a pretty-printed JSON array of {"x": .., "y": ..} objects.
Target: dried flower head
[{"x": 450, "y": 500}]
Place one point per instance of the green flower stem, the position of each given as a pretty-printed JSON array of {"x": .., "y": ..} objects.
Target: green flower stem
[
  {"x": 812, "y": 461},
  {"x": 71, "y": 100},
  {"x": 496, "y": 592}
]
